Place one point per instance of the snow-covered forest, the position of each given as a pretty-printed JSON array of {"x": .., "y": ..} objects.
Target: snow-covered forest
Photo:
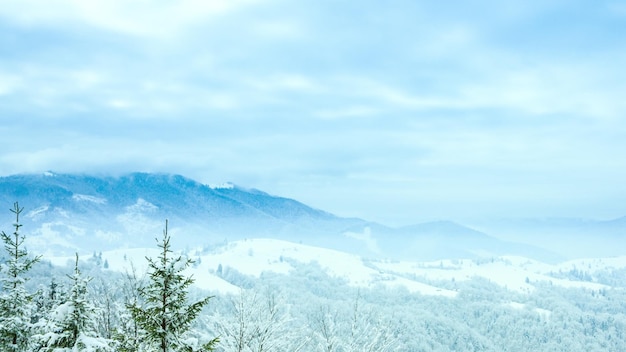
[
  {"x": 155, "y": 314},
  {"x": 312, "y": 176},
  {"x": 94, "y": 303}
]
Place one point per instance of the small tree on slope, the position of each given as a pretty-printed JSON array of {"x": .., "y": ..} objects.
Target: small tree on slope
[
  {"x": 165, "y": 315},
  {"x": 16, "y": 304}
]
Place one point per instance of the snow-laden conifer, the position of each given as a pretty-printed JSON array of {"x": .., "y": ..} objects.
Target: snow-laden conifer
[
  {"x": 70, "y": 326},
  {"x": 16, "y": 304},
  {"x": 164, "y": 314}
]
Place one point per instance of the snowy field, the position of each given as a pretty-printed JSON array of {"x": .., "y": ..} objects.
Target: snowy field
[{"x": 255, "y": 256}]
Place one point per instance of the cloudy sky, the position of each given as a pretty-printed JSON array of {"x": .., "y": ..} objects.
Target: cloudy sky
[{"x": 394, "y": 111}]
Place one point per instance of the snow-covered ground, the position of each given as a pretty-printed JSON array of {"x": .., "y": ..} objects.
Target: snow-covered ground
[
  {"x": 514, "y": 273},
  {"x": 252, "y": 257},
  {"x": 255, "y": 256}
]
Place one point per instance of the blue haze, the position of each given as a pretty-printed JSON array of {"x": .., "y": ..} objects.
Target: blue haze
[{"x": 395, "y": 112}]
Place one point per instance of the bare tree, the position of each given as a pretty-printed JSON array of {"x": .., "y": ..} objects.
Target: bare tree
[
  {"x": 258, "y": 323},
  {"x": 360, "y": 330},
  {"x": 325, "y": 330}
]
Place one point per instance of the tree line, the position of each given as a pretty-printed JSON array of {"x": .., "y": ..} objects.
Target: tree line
[
  {"x": 159, "y": 317},
  {"x": 306, "y": 309}
]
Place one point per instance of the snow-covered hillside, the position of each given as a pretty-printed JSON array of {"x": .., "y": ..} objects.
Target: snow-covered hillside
[
  {"x": 254, "y": 257},
  {"x": 319, "y": 295}
]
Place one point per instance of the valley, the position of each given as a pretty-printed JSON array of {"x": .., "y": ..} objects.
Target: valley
[{"x": 311, "y": 279}]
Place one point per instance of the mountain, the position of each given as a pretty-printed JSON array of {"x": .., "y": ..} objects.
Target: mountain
[
  {"x": 76, "y": 212},
  {"x": 570, "y": 237},
  {"x": 70, "y": 212},
  {"x": 171, "y": 195},
  {"x": 447, "y": 239}
]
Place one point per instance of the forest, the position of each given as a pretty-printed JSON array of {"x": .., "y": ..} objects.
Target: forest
[{"x": 86, "y": 306}]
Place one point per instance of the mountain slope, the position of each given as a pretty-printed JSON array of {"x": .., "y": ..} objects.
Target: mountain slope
[
  {"x": 83, "y": 211},
  {"x": 446, "y": 239},
  {"x": 75, "y": 212},
  {"x": 571, "y": 237}
]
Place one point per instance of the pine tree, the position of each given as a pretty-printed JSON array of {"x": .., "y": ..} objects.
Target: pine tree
[
  {"x": 16, "y": 304},
  {"x": 71, "y": 325},
  {"x": 165, "y": 315},
  {"x": 47, "y": 299}
]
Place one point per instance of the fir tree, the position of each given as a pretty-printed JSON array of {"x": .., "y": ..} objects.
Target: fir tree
[
  {"x": 16, "y": 304},
  {"x": 47, "y": 299},
  {"x": 165, "y": 316},
  {"x": 71, "y": 325}
]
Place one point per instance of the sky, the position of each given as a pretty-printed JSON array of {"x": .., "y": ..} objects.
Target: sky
[{"x": 393, "y": 111}]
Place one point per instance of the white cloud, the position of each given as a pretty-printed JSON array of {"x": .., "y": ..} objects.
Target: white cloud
[
  {"x": 573, "y": 90},
  {"x": 407, "y": 102},
  {"x": 347, "y": 112},
  {"x": 144, "y": 18},
  {"x": 282, "y": 83},
  {"x": 570, "y": 89},
  {"x": 279, "y": 29},
  {"x": 8, "y": 83}
]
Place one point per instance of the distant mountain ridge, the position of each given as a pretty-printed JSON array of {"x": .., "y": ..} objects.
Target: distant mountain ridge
[
  {"x": 173, "y": 195},
  {"x": 572, "y": 237},
  {"x": 70, "y": 212},
  {"x": 87, "y": 204}
]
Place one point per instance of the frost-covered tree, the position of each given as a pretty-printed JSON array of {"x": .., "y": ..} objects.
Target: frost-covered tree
[
  {"x": 70, "y": 326},
  {"x": 107, "y": 317},
  {"x": 362, "y": 331},
  {"x": 326, "y": 331},
  {"x": 257, "y": 323},
  {"x": 164, "y": 314},
  {"x": 128, "y": 334},
  {"x": 16, "y": 304},
  {"x": 369, "y": 332}
]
